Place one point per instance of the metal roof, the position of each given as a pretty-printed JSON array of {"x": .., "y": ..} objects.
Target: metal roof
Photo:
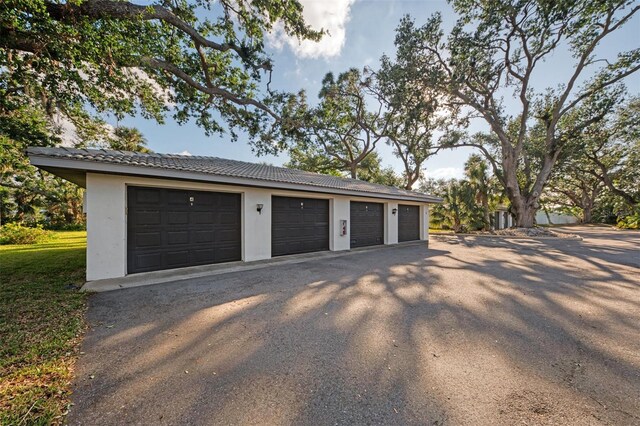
[{"x": 210, "y": 168}]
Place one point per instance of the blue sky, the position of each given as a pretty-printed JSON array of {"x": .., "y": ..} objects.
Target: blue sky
[{"x": 361, "y": 32}]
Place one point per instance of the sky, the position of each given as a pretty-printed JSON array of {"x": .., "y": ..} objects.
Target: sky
[{"x": 361, "y": 31}]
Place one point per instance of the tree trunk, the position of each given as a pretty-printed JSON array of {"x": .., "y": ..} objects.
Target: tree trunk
[
  {"x": 411, "y": 179},
  {"x": 524, "y": 206},
  {"x": 587, "y": 209},
  {"x": 487, "y": 214},
  {"x": 525, "y": 212},
  {"x": 457, "y": 224},
  {"x": 353, "y": 168}
]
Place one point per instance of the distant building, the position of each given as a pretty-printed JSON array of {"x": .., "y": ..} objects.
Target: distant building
[
  {"x": 501, "y": 218},
  {"x": 554, "y": 218}
]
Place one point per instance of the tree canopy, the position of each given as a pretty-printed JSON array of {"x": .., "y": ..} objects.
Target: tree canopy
[
  {"x": 341, "y": 126},
  {"x": 603, "y": 163},
  {"x": 190, "y": 59},
  {"x": 496, "y": 50},
  {"x": 64, "y": 64}
]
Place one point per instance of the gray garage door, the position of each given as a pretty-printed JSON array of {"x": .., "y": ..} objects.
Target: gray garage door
[
  {"x": 168, "y": 228},
  {"x": 367, "y": 224},
  {"x": 408, "y": 223},
  {"x": 299, "y": 225}
]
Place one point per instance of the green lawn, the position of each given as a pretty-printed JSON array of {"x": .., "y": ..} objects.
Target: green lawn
[{"x": 41, "y": 321}]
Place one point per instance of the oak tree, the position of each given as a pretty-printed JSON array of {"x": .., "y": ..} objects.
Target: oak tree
[
  {"x": 189, "y": 59},
  {"x": 496, "y": 50},
  {"x": 342, "y": 125}
]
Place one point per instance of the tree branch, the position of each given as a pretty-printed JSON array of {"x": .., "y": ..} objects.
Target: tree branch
[
  {"x": 99, "y": 9},
  {"x": 214, "y": 91}
]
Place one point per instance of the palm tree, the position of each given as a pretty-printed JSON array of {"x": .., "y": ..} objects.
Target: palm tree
[
  {"x": 128, "y": 139},
  {"x": 477, "y": 171},
  {"x": 456, "y": 210}
]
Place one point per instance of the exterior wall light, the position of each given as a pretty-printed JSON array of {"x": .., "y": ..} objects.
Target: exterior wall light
[
  {"x": 260, "y": 206},
  {"x": 394, "y": 211}
]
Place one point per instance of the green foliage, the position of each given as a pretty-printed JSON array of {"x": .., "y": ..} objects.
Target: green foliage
[
  {"x": 29, "y": 195},
  {"x": 13, "y": 233},
  {"x": 485, "y": 186},
  {"x": 599, "y": 171},
  {"x": 413, "y": 114},
  {"x": 41, "y": 318},
  {"x": 340, "y": 128},
  {"x": 371, "y": 170},
  {"x": 358, "y": 110},
  {"x": 317, "y": 161},
  {"x": 458, "y": 211},
  {"x": 467, "y": 202},
  {"x": 128, "y": 139},
  {"x": 630, "y": 222},
  {"x": 494, "y": 52},
  {"x": 188, "y": 59},
  {"x": 312, "y": 158}
]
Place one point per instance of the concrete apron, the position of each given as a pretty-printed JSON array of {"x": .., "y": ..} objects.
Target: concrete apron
[{"x": 179, "y": 274}]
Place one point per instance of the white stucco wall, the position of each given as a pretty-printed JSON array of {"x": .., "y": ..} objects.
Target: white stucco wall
[
  {"x": 107, "y": 220},
  {"x": 424, "y": 222},
  {"x": 556, "y": 218},
  {"x": 256, "y": 227},
  {"x": 502, "y": 222},
  {"x": 391, "y": 223},
  {"x": 339, "y": 210},
  {"x": 106, "y": 227}
]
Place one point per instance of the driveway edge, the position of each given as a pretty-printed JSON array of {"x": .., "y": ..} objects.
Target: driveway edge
[{"x": 170, "y": 275}]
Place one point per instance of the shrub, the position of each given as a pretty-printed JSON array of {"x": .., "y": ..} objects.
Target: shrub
[
  {"x": 630, "y": 222},
  {"x": 65, "y": 226},
  {"x": 14, "y": 233}
]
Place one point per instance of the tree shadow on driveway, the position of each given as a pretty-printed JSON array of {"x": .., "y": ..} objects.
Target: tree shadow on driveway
[{"x": 480, "y": 331}]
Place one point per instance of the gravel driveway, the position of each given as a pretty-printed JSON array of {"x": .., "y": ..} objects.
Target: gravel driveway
[{"x": 469, "y": 331}]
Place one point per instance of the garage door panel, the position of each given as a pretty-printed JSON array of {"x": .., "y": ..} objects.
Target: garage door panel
[
  {"x": 408, "y": 223},
  {"x": 204, "y": 236},
  {"x": 177, "y": 237},
  {"x": 311, "y": 246},
  {"x": 227, "y": 218},
  {"x": 149, "y": 260},
  {"x": 175, "y": 197},
  {"x": 299, "y": 225},
  {"x": 367, "y": 224},
  {"x": 203, "y": 218},
  {"x": 176, "y": 258},
  {"x": 226, "y": 254},
  {"x": 179, "y": 228},
  {"x": 228, "y": 236},
  {"x": 150, "y": 196},
  {"x": 206, "y": 199},
  {"x": 202, "y": 256},
  {"x": 148, "y": 239},
  {"x": 149, "y": 217},
  {"x": 177, "y": 218}
]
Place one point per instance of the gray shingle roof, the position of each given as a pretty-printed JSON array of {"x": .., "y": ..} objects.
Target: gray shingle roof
[{"x": 213, "y": 166}]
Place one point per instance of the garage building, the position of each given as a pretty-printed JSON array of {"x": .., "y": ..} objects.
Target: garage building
[{"x": 149, "y": 212}]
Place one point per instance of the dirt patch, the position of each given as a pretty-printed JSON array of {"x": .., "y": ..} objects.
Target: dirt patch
[
  {"x": 533, "y": 232},
  {"x": 513, "y": 232},
  {"x": 529, "y": 407}
]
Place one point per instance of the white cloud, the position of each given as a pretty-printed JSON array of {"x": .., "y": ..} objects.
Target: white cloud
[
  {"x": 445, "y": 173},
  {"x": 330, "y": 15},
  {"x": 185, "y": 152}
]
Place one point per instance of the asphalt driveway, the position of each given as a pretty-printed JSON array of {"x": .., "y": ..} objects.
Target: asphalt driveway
[{"x": 468, "y": 331}]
